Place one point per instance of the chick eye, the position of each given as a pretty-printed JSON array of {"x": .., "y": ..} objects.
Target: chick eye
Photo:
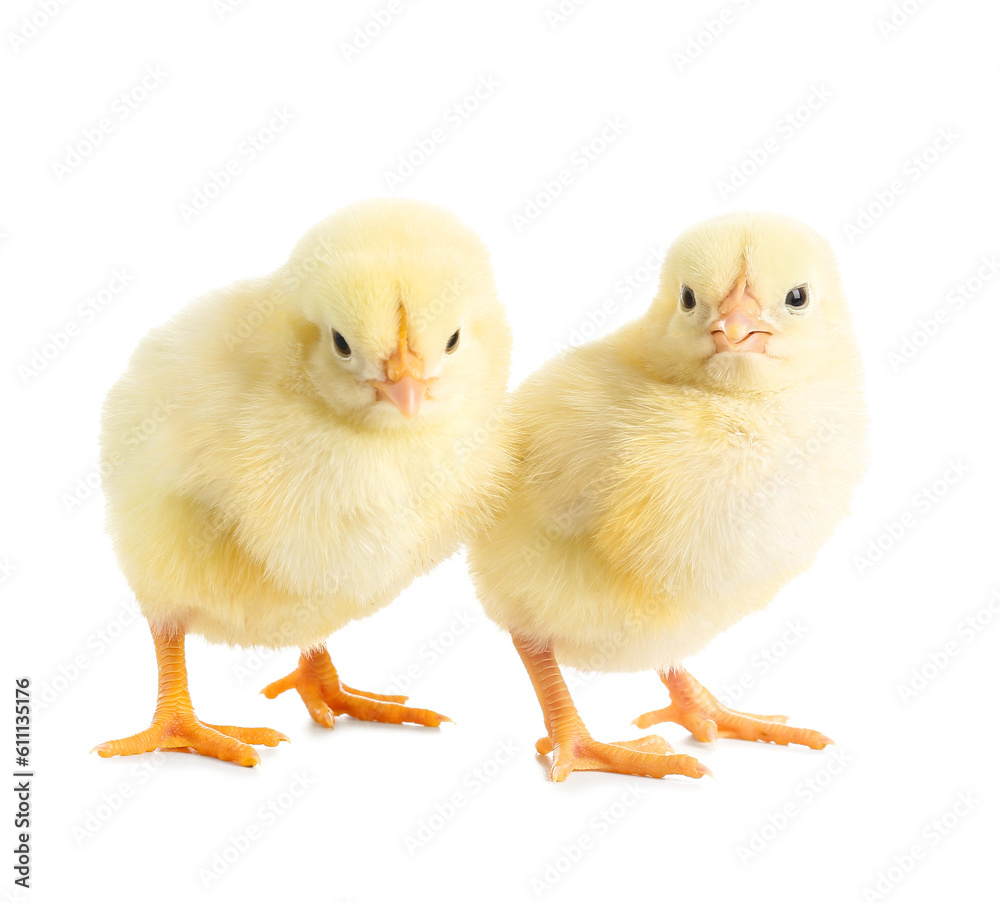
[
  {"x": 452, "y": 342},
  {"x": 340, "y": 343},
  {"x": 687, "y": 298},
  {"x": 797, "y": 298}
]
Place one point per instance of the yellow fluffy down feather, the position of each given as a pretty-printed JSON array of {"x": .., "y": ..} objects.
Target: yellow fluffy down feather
[
  {"x": 664, "y": 491},
  {"x": 258, "y": 492}
]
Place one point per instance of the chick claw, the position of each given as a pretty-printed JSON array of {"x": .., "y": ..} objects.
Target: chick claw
[
  {"x": 325, "y": 697},
  {"x": 693, "y": 707},
  {"x": 184, "y": 732},
  {"x": 647, "y": 757}
]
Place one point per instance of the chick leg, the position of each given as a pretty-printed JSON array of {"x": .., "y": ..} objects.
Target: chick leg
[
  {"x": 692, "y": 706},
  {"x": 174, "y": 725},
  {"x": 325, "y": 696},
  {"x": 571, "y": 744}
]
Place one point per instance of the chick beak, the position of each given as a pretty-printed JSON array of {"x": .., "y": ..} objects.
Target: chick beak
[
  {"x": 405, "y": 393},
  {"x": 739, "y": 326},
  {"x": 403, "y": 385}
]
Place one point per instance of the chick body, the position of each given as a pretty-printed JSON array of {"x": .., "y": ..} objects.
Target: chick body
[
  {"x": 288, "y": 454},
  {"x": 247, "y": 508},
  {"x": 673, "y": 476},
  {"x": 647, "y": 517}
]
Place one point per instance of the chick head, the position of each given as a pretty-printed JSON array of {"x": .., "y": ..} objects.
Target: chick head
[
  {"x": 747, "y": 301},
  {"x": 403, "y": 314}
]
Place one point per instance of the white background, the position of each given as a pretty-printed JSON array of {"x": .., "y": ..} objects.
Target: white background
[{"x": 143, "y": 828}]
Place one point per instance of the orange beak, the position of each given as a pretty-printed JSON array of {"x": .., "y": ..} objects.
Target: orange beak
[
  {"x": 404, "y": 384},
  {"x": 740, "y": 327}
]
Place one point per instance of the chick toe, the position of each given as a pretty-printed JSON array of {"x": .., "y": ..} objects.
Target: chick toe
[
  {"x": 182, "y": 734},
  {"x": 693, "y": 707},
  {"x": 651, "y": 743},
  {"x": 319, "y": 686},
  {"x": 384, "y": 697},
  {"x": 258, "y": 736},
  {"x": 583, "y": 753}
]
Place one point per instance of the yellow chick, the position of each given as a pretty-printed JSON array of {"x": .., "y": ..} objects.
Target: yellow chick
[
  {"x": 673, "y": 476},
  {"x": 288, "y": 454}
]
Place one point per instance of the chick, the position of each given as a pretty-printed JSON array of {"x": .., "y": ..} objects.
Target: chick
[
  {"x": 288, "y": 454},
  {"x": 673, "y": 476}
]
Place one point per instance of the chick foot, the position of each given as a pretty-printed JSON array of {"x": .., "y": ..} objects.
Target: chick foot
[
  {"x": 648, "y": 756},
  {"x": 320, "y": 688},
  {"x": 572, "y": 747},
  {"x": 692, "y": 706},
  {"x": 174, "y": 725}
]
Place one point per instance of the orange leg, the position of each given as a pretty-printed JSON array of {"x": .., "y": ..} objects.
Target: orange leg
[
  {"x": 692, "y": 706},
  {"x": 174, "y": 725},
  {"x": 571, "y": 744},
  {"x": 325, "y": 696}
]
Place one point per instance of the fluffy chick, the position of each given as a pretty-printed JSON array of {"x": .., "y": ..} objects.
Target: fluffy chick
[
  {"x": 673, "y": 476},
  {"x": 288, "y": 454}
]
